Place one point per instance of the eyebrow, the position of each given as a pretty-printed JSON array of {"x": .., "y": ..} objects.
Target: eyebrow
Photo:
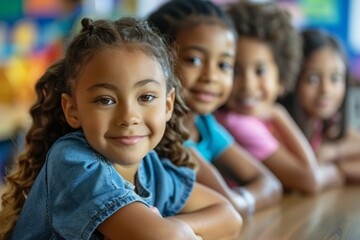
[
  {"x": 200, "y": 49},
  {"x": 114, "y": 88}
]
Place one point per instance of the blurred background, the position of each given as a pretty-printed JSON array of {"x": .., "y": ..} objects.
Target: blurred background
[{"x": 34, "y": 34}]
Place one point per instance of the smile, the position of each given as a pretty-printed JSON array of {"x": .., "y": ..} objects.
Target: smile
[
  {"x": 128, "y": 140},
  {"x": 204, "y": 96}
]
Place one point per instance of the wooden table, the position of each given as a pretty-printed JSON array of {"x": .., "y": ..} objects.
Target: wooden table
[{"x": 334, "y": 214}]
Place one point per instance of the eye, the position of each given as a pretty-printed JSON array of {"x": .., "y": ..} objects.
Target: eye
[
  {"x": 260, "y": 71},
  {"x": 337, "y": 78},
  {"x": 105, "y": 101},
  {"x": 313, "y": 79},
  {"x": 196, "y": 61},
  {"x": 146, "y": 98},
  {"x": 226, "y": 67}
]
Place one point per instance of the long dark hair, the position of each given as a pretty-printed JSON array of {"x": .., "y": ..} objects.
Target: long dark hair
[{"x": 313, "y": 40}]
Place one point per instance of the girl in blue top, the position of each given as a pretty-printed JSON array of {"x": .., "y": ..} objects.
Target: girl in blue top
[
  {"x": 205, "y": 41},
  {"x": 89, "y": 170}
]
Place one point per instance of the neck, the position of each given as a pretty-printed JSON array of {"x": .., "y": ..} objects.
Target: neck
[{"x": 127, "y": 172}]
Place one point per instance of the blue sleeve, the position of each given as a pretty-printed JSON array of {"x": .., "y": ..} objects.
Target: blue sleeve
[
  {"x": 215, "y": 139},
  {"x": 170, "y": 185},
  {"x": 83, "y": 190},
  {"x": 221, "y": 138}
]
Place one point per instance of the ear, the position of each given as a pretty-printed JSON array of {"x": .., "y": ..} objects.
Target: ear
[
  {"x": 170, "y": 99},
  {"x": 70, "y": 111}
]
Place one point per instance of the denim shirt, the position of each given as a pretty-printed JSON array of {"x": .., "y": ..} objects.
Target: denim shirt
[{"x": 77, "y": 189}]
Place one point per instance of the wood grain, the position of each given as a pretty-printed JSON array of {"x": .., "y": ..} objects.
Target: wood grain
[{"x": 332, "y": 215}]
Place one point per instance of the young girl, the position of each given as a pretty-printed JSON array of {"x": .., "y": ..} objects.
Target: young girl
[
  {"x": 268, "y": 53},
  {"x": 319, "y": 103},
  {"x": 89, "y": 171},
  {"x": 204, "y": 38}
]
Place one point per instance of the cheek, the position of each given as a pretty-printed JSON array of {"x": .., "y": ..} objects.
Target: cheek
[
  {"x": 228, "y": 83},
  {"x": 158, "y": 123},
  {"x": 185, "y": 76}
]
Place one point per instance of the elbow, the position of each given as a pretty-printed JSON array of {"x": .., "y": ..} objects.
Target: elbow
[
  {"x": 227, "y": 225},
  {"x": 234, "y": 223},
  {"x": 311, "y": 186}
]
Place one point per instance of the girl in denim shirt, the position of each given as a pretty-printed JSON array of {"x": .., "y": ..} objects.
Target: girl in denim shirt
[{"x": 89, "y": 170}]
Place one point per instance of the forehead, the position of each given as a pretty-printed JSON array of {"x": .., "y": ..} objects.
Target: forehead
[
  {"x": 121, "y": 64},
  {"x": 253, "y": 49},
  {"x": 207, "y": 33},
  {"x": 326, "y": 57}
]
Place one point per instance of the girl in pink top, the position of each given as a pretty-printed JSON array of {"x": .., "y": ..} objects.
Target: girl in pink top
[{"x": 267, "y": 59}]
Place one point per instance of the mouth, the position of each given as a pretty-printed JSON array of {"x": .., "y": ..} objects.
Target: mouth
[
  {"x": 204, "y": 96},
  {"x": 248, "y": 102},
  {"x": 128, "y": 140}
]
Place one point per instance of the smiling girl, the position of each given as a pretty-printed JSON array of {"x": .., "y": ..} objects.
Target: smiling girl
[{"x": 89, "y": 170}]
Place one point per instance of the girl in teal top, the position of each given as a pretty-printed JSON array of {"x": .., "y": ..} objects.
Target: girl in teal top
[{"x": 205, "y": 40}]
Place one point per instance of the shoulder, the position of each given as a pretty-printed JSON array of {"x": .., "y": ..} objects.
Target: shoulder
[
  {"x": 163, "y": 168},
  {"x": 73, "y": 146},
  {"x": 239, "y": 124}
]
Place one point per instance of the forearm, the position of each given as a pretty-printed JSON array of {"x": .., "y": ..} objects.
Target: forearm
[
  {"x": 209, "y": 176},
  {"x": 266, "y": 190},
  {"x": 289, "y": 134},
  {"x": 217, "y": 221},
  {"x": 345, "y": 149}
]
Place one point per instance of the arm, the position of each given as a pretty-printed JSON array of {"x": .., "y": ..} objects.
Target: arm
[
  {"x": 210, "y": 215},
  {"x": 295, "y": 157},
  {"x": 210, "y": 176},
  {"x": 125, "y": 223},
  {"x": 346, "y": 148},
  {"x": 258, "y": 181}
]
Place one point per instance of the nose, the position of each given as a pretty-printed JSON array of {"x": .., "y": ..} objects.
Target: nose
[
  {"x": 248, "y": 81},
  {"x": 127, "y": 115},
  {"x": 325, "y": 85},
  {"x": 210, "y": 72}
]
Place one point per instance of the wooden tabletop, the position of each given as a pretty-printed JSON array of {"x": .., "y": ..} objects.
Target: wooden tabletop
[{"x": 334, "y": 214}]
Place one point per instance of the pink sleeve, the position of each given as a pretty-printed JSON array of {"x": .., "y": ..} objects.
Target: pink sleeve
[{"x": 251, "y": 133}]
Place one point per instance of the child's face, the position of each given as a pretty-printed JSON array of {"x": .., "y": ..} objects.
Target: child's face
[
  {"x": 322, "y": 84},
  {"x": 206, "y": 58},
  {"x": 256, "y": 80},
  {"x": 121, "y": 104}
]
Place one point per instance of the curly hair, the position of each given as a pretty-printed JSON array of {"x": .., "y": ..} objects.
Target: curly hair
[
  {"x": 177, "y": 15},
  {"x": 48, "y": 120},
  {"x": 272, "y": 25}
]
